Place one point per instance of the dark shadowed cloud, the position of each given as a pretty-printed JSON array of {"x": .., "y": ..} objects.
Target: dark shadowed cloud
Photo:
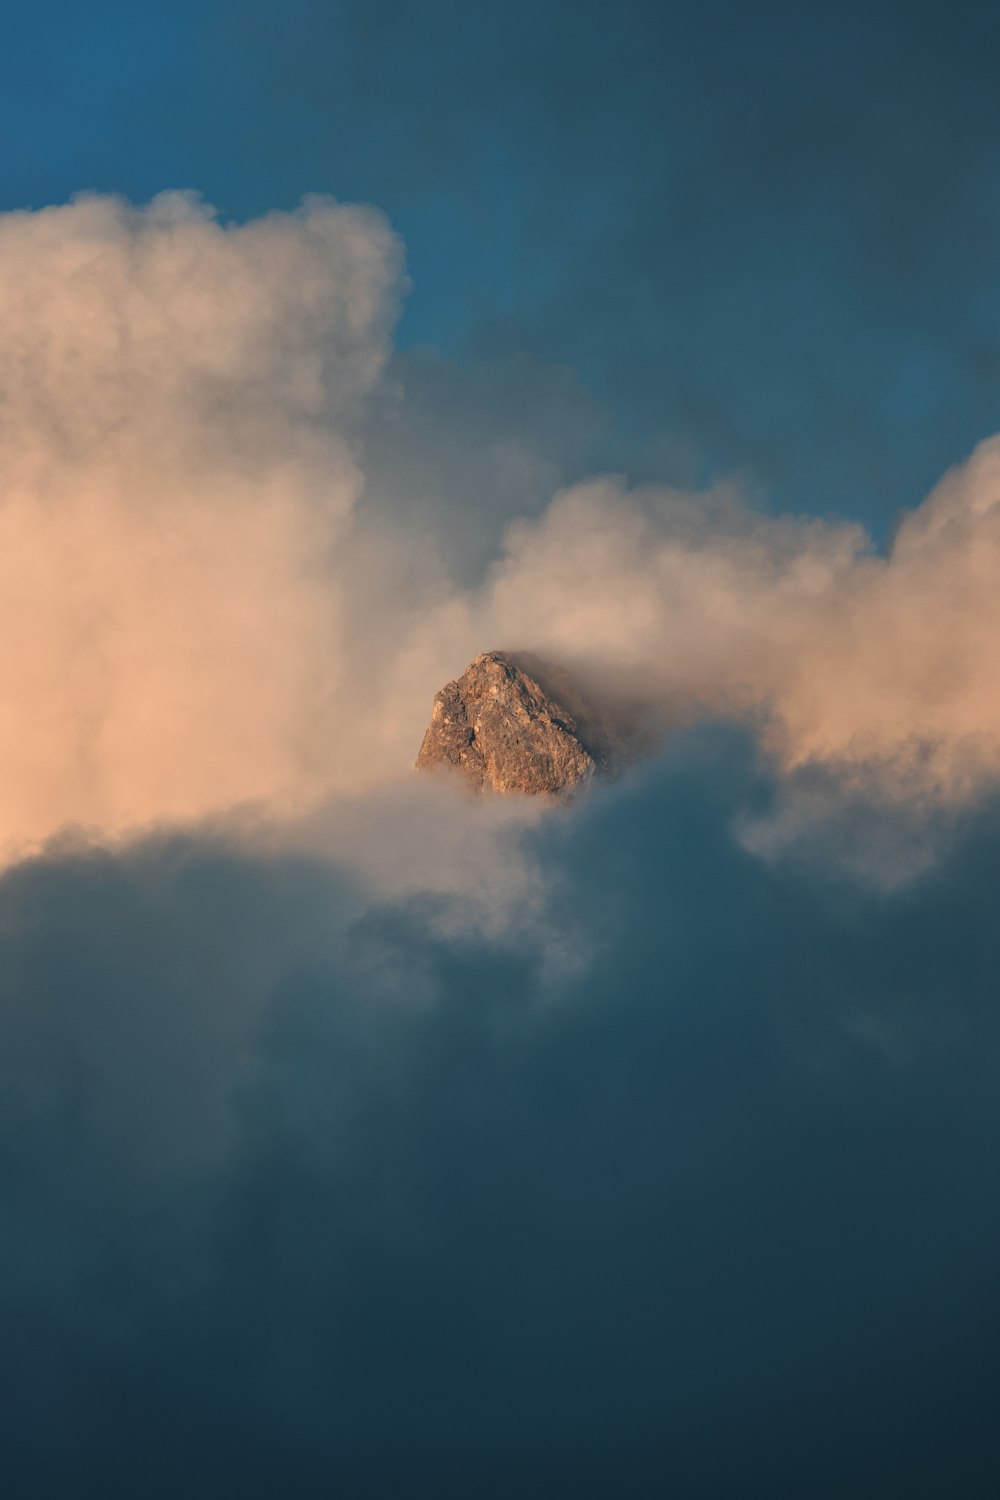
[{"x": 312, "y": 1187}]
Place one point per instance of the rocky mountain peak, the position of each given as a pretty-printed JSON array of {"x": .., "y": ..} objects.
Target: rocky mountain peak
[{"x": 499, "y": 728}]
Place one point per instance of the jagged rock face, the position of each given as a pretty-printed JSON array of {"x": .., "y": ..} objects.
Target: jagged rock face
[{"x": 503, "y": 732}]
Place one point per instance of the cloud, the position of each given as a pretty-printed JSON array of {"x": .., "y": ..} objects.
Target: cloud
[
  {"x": 302, "y": 1189},
  {"x": 866, "y": 677},
  {"x": 399, "y": 1141},
  {"x": 225, "y": 588},
  {"x": 175, "y": 467}
]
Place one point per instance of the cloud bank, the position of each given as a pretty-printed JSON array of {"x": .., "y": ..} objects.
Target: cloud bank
[
  {"x": 172, "y": 398},
  {"x": 208, "y": 604},
  {"x": 304, "y": 1190}
]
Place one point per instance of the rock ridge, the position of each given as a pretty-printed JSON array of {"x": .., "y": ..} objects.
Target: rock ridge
[{"x": 499, "y": 728}]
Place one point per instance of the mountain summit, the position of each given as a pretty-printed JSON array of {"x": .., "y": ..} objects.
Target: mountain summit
[{"x": 498, "y": 727}]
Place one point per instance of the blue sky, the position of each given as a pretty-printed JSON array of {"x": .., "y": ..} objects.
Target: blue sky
[{"x": 761, "y": 236}]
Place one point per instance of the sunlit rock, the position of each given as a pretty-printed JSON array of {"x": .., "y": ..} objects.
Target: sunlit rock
[{"x": 497, "y": 726}]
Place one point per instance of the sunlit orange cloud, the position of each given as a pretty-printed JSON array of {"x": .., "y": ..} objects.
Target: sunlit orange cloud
[
  {"x": 173, "y": 476},
  {"x": 198, "y": 611},
  {"x": 839, "y": 656}
]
